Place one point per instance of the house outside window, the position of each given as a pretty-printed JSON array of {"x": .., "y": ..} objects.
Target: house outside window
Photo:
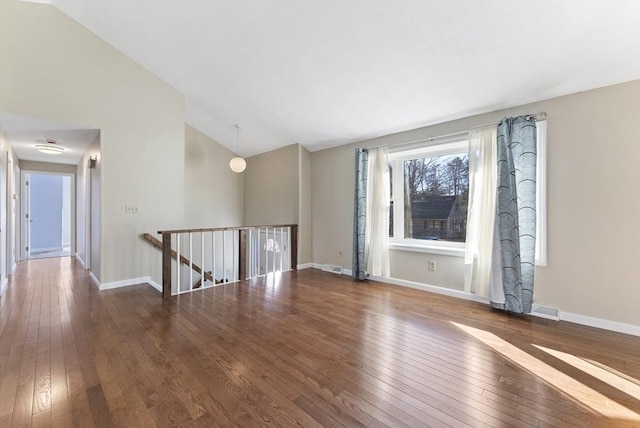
[{"x": 430, "y": 193}]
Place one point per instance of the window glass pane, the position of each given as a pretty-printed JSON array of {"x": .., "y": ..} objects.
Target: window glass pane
[{"x": 436, "y": 197}]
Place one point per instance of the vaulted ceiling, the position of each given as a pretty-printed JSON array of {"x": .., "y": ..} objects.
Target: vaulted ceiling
[{"x": 326, "y": 73}]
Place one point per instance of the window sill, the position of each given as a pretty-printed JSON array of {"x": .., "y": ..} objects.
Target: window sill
[{"x": 429, "y": 249}]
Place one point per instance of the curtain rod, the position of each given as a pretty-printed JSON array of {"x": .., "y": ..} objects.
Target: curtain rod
[{"x": 537, "y": 117}]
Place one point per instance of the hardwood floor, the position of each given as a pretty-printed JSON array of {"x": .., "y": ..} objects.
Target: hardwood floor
[{"x": 306, "y": 348}]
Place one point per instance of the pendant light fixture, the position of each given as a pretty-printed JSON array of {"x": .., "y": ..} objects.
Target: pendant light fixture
[{"x": 237, "y": 164}]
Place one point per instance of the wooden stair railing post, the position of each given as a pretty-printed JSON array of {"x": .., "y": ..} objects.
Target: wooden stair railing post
[
  {"x": 166, "y": 265},
  {"x": 242, "y": 254},
  {"x": 294, "y": 247}
]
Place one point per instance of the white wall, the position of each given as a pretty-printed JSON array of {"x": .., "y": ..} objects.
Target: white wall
[
  {"x": 87, "y": 204},
  {"x": 141, "y": 118},
  {"x": 593, "y": 204}
]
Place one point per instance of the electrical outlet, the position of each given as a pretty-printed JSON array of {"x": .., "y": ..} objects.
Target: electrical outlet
[
  {"x": 340, "y": 253},
  {"x": 132, "y": 209},
  {"x": 432, "y": 265}
]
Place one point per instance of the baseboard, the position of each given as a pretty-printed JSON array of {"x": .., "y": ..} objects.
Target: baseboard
[
  {"x": 432, "y": 289},
  {"x": 304, "y": 266},
  {"x": 4, "y": 285},
  {"x": 563, "y": 316},
  {"x": 154, "y": 284},
  {"x": 46, "y": 250},
  {"x": 94, "y": 280},
  {"x": 124, "y": 283},
  {"x": 79, "y": 260},
  {"x": 601, "y": 323}
]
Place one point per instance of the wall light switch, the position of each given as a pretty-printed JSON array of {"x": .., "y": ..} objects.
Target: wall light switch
[
  {"x": 132, "y": 209},
  {"x": 432, "y": 265}
]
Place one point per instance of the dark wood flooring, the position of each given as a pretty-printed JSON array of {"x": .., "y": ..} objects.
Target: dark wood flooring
[{"x": 305, "y": 348}]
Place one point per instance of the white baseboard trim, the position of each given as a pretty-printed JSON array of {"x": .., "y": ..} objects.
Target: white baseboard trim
[
  {"x": 94, "y": 280},
  {"x": 4, "y": 285},
  {"x": 46, "y": 250},
  {"x": 601, "y": 323},
  {"x": 432, "y": 289},
  {"x": 304, "y": 266},
  {"x": 564, "y": 316},
  {"x": 79, "y": 260},
  {"x": 124, "y": 283},
  {"x": 154, "y": 284}
]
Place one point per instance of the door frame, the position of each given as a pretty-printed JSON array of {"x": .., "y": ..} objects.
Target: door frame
[{"x": 24, "y": 209}]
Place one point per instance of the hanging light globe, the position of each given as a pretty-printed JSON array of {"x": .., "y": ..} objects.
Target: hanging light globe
[{"x": 237, "y": 164}]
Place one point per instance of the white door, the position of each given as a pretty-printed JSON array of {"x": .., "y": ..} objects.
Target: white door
[{"x": 26, "y": 223}]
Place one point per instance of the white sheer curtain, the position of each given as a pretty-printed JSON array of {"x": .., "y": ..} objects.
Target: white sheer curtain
[
  {"x": 377, "y": 227},
  {"x": 481, "y": 215}
]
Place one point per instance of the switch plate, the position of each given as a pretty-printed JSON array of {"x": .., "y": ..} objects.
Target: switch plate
[
  {"x": 132, "y": 209},
  {"x": 432, "y": 265}
]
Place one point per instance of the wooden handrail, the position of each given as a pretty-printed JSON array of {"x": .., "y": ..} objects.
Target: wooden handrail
[
  {"x": 216, "y": 229},
  {"x": 185, "y": 261}
]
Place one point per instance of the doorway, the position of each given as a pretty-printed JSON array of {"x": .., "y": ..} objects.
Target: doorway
[{"x": 48, "y": 206}]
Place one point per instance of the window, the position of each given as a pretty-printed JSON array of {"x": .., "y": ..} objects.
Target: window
[
  {"x": 429, "y": 196},
  {"x": 430, "y": 187}
]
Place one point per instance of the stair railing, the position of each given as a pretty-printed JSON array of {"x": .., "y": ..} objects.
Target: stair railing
[{"x": 227, "y": 254}]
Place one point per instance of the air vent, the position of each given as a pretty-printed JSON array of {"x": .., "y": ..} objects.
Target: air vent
[{"x": 332, "y": 268}]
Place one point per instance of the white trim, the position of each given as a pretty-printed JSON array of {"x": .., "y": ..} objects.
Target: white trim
[
  {"x": 601, "y": 323},
  {"x": 4, "y": 286},
  {"x": 154, "y": 284},
  {"x": 79, "y": 260},
  {"x": 124, "y": 283},
  {"x": 305, "y": 266},
  {"x": 45, "y": 250},
  {"x": 541, "y": 194},
  {"x": 432, "y": 289},
  {"x": 94, "y": 280},
  {"x": 14, "y": 268},
  {"x": 445, "y": 251}
]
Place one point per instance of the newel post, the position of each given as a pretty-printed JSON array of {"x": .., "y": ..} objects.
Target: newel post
[
  {"x": 166, "y": 264},
  {"x": 242, "y": 254},
  {"x": 294, "y": 247}
]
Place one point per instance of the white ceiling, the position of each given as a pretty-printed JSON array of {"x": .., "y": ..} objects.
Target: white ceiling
[
  {"x": 326, "y": 73},
  {"x": 25, "y": 133}
]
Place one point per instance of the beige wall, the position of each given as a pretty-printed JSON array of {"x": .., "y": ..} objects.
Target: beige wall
[
  {"x": 304, "y": 209},
  {"x": 271, "y": 187},
  {"x": 26, "y": 165},
  {"x": 277, "y": 190},
  {"x": 212, "y": 192},
  {"x": 593, "y": 204},
  {"x": 53, "y": 68}
]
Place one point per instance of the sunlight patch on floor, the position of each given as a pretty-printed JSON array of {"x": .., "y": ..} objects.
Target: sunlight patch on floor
[
  {"x": 564, "y": 383},
  {"x": 598, "y": 372}
]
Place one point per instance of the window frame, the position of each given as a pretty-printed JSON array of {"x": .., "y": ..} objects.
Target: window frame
[{"x": 452, "y": 145}]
